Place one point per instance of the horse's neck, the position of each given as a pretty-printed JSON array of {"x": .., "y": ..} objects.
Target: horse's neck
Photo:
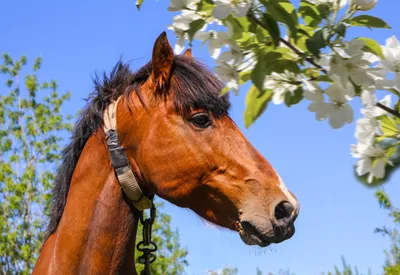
[{"x": 96, "y": 234}]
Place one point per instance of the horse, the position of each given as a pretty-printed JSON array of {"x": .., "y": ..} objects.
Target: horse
[{"x": 181, "y": 145}]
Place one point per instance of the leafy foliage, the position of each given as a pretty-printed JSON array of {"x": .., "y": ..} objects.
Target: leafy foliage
[
  {"x": 290, "y": 52},
  {"x": 347, "y": 270},
  {"x": 392, "y": 265},
  {"x": 224, "y": 271},
  {"x": 31, "y": 127}
]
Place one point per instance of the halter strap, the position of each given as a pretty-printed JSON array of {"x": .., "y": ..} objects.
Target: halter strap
[{"x": 120, "y": 162}]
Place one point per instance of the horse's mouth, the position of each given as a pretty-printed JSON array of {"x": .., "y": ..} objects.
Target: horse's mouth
[{"x": 251, "y": 235}]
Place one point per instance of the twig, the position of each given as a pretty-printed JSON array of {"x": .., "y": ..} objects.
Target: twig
[
  {"x": 289, "y": 45},
  {"x": 387, "y": 109}
]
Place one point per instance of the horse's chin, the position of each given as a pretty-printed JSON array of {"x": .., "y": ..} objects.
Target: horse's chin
[{"x": 253, "y": 238}]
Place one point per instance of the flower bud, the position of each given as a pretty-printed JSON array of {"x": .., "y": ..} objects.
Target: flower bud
[{"x": 365, "y": 5}]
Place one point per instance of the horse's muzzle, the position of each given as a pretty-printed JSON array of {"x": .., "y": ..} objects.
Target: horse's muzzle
[{"x": 255, "y": 231}]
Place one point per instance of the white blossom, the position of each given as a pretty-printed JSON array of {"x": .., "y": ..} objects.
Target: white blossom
[
  {"x": 372, "y": 156},
  {"x": 342, "y": 3},
  {"x": 225, "y": 7},
  {"x": 391, "y": 51},
  {"x": 349, "y": 49},
  {"x": 248, "y": 63},
  {"x": 180, "y": 25},
  {"x": 339, "y": 111},
  {"x": 177, "y": 5},
  {"x": 372, "y": 160},
  {"x": 366, "y": 130},
  {"x": 281, "y": 84},
  {"x": 384, "y": 82},
  {"x": 369, "y": 100},
  {"x": 365, "y": 4},
  {"x": 228, "y": 74},
  {"x": 244, "y": 61},
  {"x": 318, "y": 105},
  {"x": 234, "y": 55},
  {"x": 366, "y": 127},
  {"x": 348, "y": 60},
  {"x": 355, "y": 68},
  {"x": 183, "y": 20},
  {"x": 216, "y": 40},
  {"x": 181, "y": 35}
]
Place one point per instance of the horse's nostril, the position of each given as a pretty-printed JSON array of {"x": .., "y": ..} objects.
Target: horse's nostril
[{"x": 283, "y": 210}]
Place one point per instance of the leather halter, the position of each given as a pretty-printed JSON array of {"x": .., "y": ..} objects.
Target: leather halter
[{"x": 126, "y": 178}]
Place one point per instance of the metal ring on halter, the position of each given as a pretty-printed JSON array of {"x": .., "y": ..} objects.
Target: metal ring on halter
[
  {"x": 152, "y": 247},
  {"x": 149, "y": 257}
]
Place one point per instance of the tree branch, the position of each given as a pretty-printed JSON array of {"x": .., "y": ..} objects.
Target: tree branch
[
  {"x": 389, "y": 110},
  {"x": 310, "y": 60},
  {"x": 289, "y": 45}
]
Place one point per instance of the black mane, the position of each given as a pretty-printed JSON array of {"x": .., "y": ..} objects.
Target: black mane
[{"x": 193, "y": 86}]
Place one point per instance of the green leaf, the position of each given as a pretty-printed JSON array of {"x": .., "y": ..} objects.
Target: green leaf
[
  {"x": 391, "y": 151},
  {"x": 372, "y": 46},
  {"x": 9, "y": 83},
  {"x": 324, "y": 10},
  {"x": 7, "y": 60},
  {"x": 284, "y": 11},
  {"x": 310, "y": 14},
  {"x": 237, "y": 28},
  {"x": 240, "y": 29},
  {"x": 272, "y": 27},
  {"x": 23, "y": 60},
  {"x": 389, "y": 126},
  {"x": 139, "y": 4},
  {"x": 31, "y": 84},
  {"x": 324, "y": 78},
  {"x": 341, "y": 29},
  {"x": 244, "y": 77},
  {"x": 258, "y": 74},
  {"x": 383, "y": 199},
  {"x": 293, "y": 99},
  {"x": 316, "y": 43},
  {"x": 282, "y": 65},
  {"x": 256, "y": 103},
  {"x": 195, "y": 26},
  {"x": 369, "y": 21},
  {"x": 303, "y": 33},
  {"x": 272, "y": 61},
  {"x": 37, "y": 64},
  {"x": 206, "y": 6}
]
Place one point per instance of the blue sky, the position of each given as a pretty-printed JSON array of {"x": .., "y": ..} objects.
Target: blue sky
[{"x": 338, "y": 215}]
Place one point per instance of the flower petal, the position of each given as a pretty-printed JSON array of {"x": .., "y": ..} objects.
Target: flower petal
[
  {"x": 242, "y": 9},
  {"x": 222, "y": 11}
]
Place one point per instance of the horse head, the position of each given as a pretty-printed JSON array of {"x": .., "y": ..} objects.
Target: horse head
[{"x": 185, "y": 148}]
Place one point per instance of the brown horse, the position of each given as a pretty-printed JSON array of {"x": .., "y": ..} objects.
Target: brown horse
[{"x": 182, "y": 146}]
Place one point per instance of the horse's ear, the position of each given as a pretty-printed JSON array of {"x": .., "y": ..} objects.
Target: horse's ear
[
  {"x": 188, "y": 54},
  {"x": 162, "y": 59}
]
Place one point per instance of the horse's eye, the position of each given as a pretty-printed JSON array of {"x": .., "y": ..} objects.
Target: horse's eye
[{"x": 201, "y": 120}]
